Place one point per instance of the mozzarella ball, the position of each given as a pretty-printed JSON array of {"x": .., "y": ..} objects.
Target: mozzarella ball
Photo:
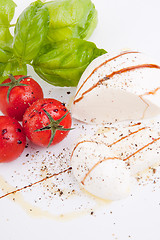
[{"x": 100, "y": 172}]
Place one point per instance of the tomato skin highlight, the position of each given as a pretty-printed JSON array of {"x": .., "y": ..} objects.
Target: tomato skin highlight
[
  {"x": 20, "y": 98},
  {"x": 35, "y": 118},
  {"x": 12, "y": 139}
]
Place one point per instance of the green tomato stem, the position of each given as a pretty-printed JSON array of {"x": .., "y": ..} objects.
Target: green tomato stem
[
  {"x": 13, "y": 83},
  {"x": 53, "y": 126}
]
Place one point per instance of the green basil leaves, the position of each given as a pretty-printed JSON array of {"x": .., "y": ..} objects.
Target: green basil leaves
[
  {"x": 71, "y": 19},
  {"x": 8, "y": 63},
  {"x": 30, "y": 31},
  {"x": 50, "y": 37},
  {"x": 7, "y": 8},
  {"x": 63, "y": 63}
]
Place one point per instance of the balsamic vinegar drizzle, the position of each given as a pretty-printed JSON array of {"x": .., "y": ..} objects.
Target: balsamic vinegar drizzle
[
  {"x": 151, "y": 92},
  {"x": 35, "y": 183},
  {"x": 108, "y": 77},
  {"x": 111, "y": 143},
  {"x": 109, "y": 60},
  {"x": 147, "y": 145},
  {"x": 127, "y": 136},
  {"x": 148, "y": 93},
  {"x": 125, "y": 159},
  {"x": 95, "y": 165}
]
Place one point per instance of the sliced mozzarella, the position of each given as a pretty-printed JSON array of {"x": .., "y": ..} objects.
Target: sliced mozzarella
[
  {"x": 106, "y": 165},
  {"x": 118, "y": 87}
]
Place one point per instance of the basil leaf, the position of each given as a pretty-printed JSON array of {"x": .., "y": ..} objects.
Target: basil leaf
[
  {"x": 12, "y": 66},
  {"x": 85, "y": 29},
  {"x": 2, "y": 67},
  {"x": 30, "y": 31},
  {"x": 5, "y": 54},
  {"x": 9, "y": 64},
  {"x": 5, "y": 37},
  {"x": 63, "y": 63},
  {"x": 7, "y": 9},
  {"x": 71, "y": 19}
]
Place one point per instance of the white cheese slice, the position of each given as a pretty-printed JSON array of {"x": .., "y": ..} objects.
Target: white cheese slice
[
  {"x": 106, "y": 165},
  {"x": 117, "y": 87}
]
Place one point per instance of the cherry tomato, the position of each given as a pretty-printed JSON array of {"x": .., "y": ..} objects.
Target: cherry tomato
[
  {"x": 12, "y": 139},
  {"x": 17, "y": 93},
  {"x": 47, "y": 122}
]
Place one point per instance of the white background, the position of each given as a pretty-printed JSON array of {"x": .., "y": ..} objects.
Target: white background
[{"x": 123, "y": 24}]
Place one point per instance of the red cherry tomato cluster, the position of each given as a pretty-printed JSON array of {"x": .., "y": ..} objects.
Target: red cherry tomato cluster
[{"x": 45, "y": 121}]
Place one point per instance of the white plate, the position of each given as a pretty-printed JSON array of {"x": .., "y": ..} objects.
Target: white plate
[{"x": 57, "y": 208}]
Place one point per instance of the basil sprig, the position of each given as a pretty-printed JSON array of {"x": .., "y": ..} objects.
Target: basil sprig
[
  {"x": 63, "y": 63},
  {"x": 50, "y": 37}
]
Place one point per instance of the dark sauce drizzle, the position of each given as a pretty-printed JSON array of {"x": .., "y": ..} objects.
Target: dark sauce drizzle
[{"x": 35, "y": 183}]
